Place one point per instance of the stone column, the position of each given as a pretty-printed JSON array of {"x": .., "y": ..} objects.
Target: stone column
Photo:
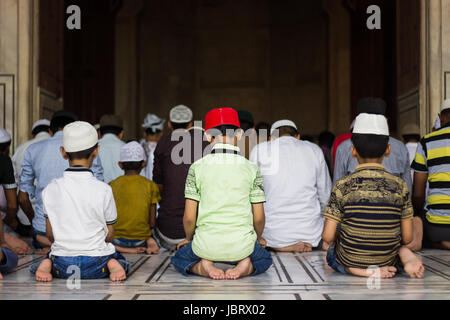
[
  {"x": 435, "y": 60},
  {"x": 126, "y": 73},
  {"x": 339, "y": 108}
]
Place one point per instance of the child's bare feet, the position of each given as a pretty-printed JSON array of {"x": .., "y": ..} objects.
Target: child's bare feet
[
  {"x": 411, "y": 263},
  {"x": 117, "y": 273},
  {"x": 152, "y": 246},
  {"x": 383, "y": 272},
  {"x": 244, "y": 268},
  {"x": 206, "y": 268},
  {"x": 43, "y": 272}
]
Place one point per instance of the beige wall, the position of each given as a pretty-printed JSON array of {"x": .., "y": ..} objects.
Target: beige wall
[
  {"x": 18, "y": 62},
  {"x": 435, "y": 60}
]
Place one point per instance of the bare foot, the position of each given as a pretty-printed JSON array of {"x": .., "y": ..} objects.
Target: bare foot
[
  {"x": 1, "y": 277},
  {"x": 212, "y": 272},
  {"x": 411, "y": 263},
  {"x": 416, "y": 244},
  {"x": 152, "y": 246},
  {"x": 18, "y": 246},
  {"x": 383, "y": 272},
  {"x": 244, "y": 268},
  {"x": 117, "y": 273},
  {"x": 43, "y": 272},
  {"x": 299, "y": 247}
]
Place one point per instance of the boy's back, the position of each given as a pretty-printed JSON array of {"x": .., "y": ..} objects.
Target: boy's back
[
  {"x": 225, "y": 184},
  {"x": 370, "y": 205},
  {"x": 134, "y": 195},
  {"x": 79, "y": 208}
]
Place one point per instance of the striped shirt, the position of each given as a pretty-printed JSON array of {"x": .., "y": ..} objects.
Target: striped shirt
[
  {"x": 433, "y": 158},
  {"x": 370, "y": 205}
]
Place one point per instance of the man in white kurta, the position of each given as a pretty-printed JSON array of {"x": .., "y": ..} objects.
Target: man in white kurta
[{"x": 297, "y": 186}]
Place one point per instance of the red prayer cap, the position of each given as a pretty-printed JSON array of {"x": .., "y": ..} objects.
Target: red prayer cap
[{"x": 221, "y": 116}]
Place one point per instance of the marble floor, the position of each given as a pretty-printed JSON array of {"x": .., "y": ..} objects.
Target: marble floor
[{"x": 291, "y": 277}]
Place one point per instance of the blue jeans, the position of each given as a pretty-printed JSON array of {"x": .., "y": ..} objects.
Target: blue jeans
[
  {"x": 90, "y": 267},
  {"x": 129, "y": 243},
  {"x": 9, "y": 261},
  {"x": 331, "y": 259},
  {"x": 185, "y": 258}
]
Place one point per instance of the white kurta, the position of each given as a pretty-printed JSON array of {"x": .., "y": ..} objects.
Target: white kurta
[{"x": 297, "y": 186}]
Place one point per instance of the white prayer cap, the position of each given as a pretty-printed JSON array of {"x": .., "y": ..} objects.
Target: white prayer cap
[
  {"x": 132, "y": 152},
  {"x": 445, "y": 105},
  {"x": 42, "y": 122},
  {"x": 371, "y": 124},
  {"x": 154, "y": 122},
  {"x": 79, "y": 136},
  {"x": 181, "y": 114},
  {"x": 352, "y": 125},
  {"x": 97, "y": 126},
  {"x": 4, "y": 136},
  {"x": 282, "y": 123}
]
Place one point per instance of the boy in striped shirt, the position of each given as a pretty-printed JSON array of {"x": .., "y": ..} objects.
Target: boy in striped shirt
[{"x": 374, "y": 210}]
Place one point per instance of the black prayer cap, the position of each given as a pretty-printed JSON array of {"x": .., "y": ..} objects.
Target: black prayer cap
[
  {"x": 372, "y": 106},
  {"x": 64, "y": 114}
]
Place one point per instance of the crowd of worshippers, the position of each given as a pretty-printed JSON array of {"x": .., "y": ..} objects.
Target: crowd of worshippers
[{"x": 83, "y": 197}]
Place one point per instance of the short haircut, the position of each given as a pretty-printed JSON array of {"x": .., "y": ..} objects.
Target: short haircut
[
  {"x": 59, "y": 123},
  {"x": 228, "y": 130},
  {"x": 245, "y": 125},
  {"x": 326, "y": 138},
  {"x": 110, "y": 129},
  {"x": 81, "y": 155},
  {"x": 4, "y": 146},
  {"x": 370, "y": 146},
  {"x": 183, "y": 125},
  {"x": 132, "y": 165},
  {"x": 151, "y": 131},
  {"x": 39, "y": 129},
  {"x": 262, "y": 126},
  {"x": 286, "y": 131},
  {"x": 411, "y": 137}
]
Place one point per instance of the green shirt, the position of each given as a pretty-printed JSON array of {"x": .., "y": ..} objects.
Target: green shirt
[{"x": 225, "y": 184}]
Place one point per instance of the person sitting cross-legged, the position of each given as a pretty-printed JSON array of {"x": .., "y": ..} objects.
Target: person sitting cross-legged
[{"x": 374, "y": 210}]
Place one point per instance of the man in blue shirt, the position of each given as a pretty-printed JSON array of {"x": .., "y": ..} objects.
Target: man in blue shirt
[{"x": 42, "y": 163}]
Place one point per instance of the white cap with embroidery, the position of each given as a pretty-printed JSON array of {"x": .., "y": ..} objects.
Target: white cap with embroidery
[
  {"x": 181, "y": 114},
  {"x": 282, "y": 123},
  {"x": 132, "y": 152},
  {"x": 79, "y": 136},
  {"x": 153, "y": 122},
  {"x": 371, "y": 124}
]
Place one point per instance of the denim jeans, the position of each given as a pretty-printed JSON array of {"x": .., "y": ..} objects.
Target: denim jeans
[
  {"x": 90, "y": 267},
  {"x": 185, "y": 258},
  {"x": 9, "y": 261},
  {"x": 129, "y": 243},
  {"x": 331, "y": 259}
]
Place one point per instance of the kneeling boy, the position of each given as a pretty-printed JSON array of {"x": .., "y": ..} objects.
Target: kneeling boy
[
  {"x": 80, "y": 211},
  {"x": 225, "y": 188},
  {"x": 374, "y": 209},
  {"x": 136, "y": 198}
]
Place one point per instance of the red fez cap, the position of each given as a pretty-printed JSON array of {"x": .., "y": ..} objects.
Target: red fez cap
[{"x": 221, "y": 116}]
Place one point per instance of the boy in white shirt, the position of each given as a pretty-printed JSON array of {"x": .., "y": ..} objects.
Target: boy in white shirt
[{"x": 80, "y": 212}]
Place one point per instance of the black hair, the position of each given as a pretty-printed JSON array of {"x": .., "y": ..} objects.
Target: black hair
[
  {"x": 81, "y": 155},
  {"x": 40, "y": 128},
  {"x": 4, "y": 146},
  {"x": 262, "y": 126},
  {"x": 306, "y": 137},
  {"x": 411, "y": 137},
  {"x": 326, "y": 138},
  {"x": 245, "y": 125},
  {"x": 370, "y": 146},
  {"x": 286, "y": 130},
  {"x": 59, "y": 123},
  {"x": 132, "y": 165},
  {"x": 110, "y": 129},
  {"x": 151, "y": 131},
  {"x": 183, "y": 125},
  {"x": 228, "y": 130}
]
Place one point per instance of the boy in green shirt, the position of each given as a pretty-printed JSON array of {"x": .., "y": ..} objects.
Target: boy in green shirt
[{"x": 227, "y": 191}]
